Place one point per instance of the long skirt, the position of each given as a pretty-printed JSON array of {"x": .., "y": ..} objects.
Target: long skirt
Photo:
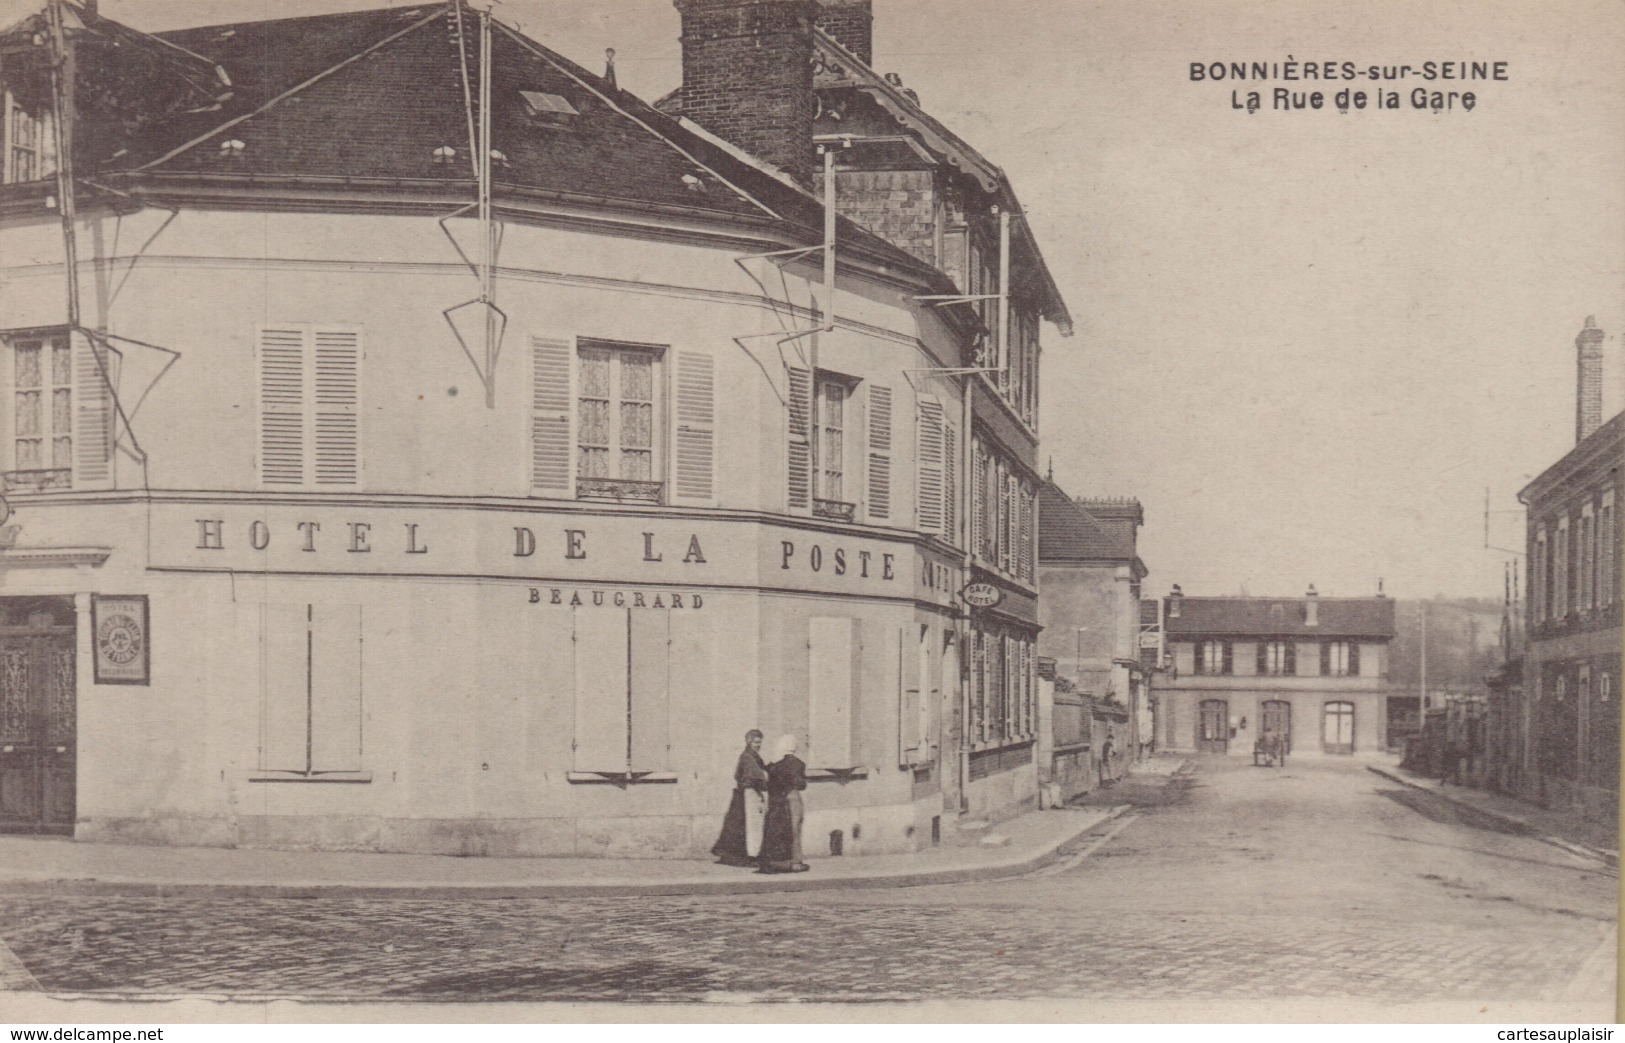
[
  {"x": 741, "y": 838},
  {"x": 781, "y": 837}
]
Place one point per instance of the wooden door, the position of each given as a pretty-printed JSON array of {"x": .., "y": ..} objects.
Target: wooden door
[
  {"x": 37, "y": 721},
  {"x": 1337, "y": 731},
  {"x": 1213, "y": 726},
  {"x": 1277, "y": 721}
]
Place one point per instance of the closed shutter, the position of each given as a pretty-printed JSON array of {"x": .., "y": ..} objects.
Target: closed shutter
[
  {"x": 1325, "y": 658},
  {"x": 649, "y": 675},
  {"x": 1201, "y": 653},
  {"x": 799, "y": 461},
  {"x": 603, "y": 652},
  {"x": 695, "y": 440},
  {"x": 880, "y": 451},
  {"x": 551, "y": 392},
  {"x": 978, "y": 507},
  {"x": 335, "y": 688},
  {"x": 1024, "y": 568},
  {"x": 929, "y": 502},
  {"x": 834, "y": 656},
  {"x": 950, "y": 483},
  {"x": 1354, "y": 659},
  {"x": 282, "y": 405},
  {"x": 910, "y": 682},
  {"x": 337, "y": 416},
  {"x": 284, "y": 648},
  {"x": 1229, "y": 658},
  {"x": 93, "y": 420}
]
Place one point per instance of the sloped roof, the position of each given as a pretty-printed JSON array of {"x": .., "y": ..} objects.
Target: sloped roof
[
  {"x": 1281, "y": 617},
  {"x": 370, "y": 95},
  {"x": 1068, "y": 534},
  {"x": 845, "y": 69}
]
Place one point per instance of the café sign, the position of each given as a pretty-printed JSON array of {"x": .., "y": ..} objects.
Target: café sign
[{"x": 981, "y": 595}]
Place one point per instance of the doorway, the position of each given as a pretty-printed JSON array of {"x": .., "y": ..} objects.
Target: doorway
[
  {"x": 1337, "y": 732},
  {"x": 1276, "y": 720},
  {"x": 1213, "y": 726},
  {"x": 38, "y": 715}
]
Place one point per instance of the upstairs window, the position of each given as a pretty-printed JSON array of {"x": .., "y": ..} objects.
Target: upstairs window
[
  {"x": 1340, "y": 658},
  {"x": 1277, "y": 658},
  {"x": 618, "y": 411},
  {"x": 1214, "y": 657},
  {"x": 29, "y": 146},
  {"x": 1607, "y": 558},
  {"x": 56, "y": 425},
  {"x": 310, "y": 407}
]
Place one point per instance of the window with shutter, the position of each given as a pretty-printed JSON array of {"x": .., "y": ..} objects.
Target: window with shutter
[
  {"x": 46, "y": 383},
  {"x": 1024, "y": 567},
  {"x": 551, "y": 392},
  {"x": 929, "y": 497},
  {"x": 623, "y": 682},
  {"x": 311, "y": 722},
  {"x": 310, "y": 399},
  {"x": 799, "y": 462},
  {"x": 695, "y": 439},
  {"x": 950, "y": 484},
  {"x": 911, "y": 680},
  {"x": 880, "y": 452},
  {"x": 619, "y": 426}
]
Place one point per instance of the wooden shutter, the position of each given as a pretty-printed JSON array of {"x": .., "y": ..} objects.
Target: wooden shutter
[
  {"x": 1354, "y": 659},
  {"x": 1201, "y": 653},
  {"x": 1024, "y": 567},
  {"x": 799, "y": 460},
  {"x": 552, "y": 393},
  {"x": 1325, "y": 658},
  {"x": 603, "y": 653},
  {"x": 650, "y": 699},
  {"x": 1229, "y": 658},
  {"x": 880, "y": 451},
  {"x": 833, "y": 661},
  {"x": 335, "y": 688},
  {"x": 93, "y": 415},
  {"x": 950, "y": 483},
  {"x": 978, "y": 507},
  {"x": 337, "y": 419},
  {"x": 910, "y": 682},
  {"x": 1263, "y": 657},
  {"x": 1289, "y": 658},
  {"x": 282, "y": 405},
  {"x": 929, "y": 496},
  {"x": 694, "y": 444},
  {"x": 284, "y": 686}
]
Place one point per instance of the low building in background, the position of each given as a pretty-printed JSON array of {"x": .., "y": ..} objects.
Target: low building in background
[
  {"x": 1310, "y": 670},
  {"x": 1089, "y": 573}
]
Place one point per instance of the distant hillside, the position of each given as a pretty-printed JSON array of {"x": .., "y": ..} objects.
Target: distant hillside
[{"x": 1463, "y": 642}]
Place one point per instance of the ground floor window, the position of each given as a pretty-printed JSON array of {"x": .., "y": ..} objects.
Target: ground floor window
[
  {"x": 622, "y": 691},
  {"x": 1003, "y": 685}
]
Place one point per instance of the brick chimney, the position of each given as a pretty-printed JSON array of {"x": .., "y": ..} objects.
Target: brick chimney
[
  {"x": 1588, "y": 405},
  {"x": 851, "y": 23},
  {"x": 748, "y": 77}
]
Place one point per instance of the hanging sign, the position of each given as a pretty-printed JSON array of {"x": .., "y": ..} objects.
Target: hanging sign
[
  {"x": 119, "y": 623},
  {"x": 981, "y": 595}
]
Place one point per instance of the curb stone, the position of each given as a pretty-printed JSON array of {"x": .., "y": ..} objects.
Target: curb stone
[{"x": 1522, "y": 826}]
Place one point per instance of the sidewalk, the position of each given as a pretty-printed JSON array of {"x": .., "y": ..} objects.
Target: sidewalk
[
  {"x": 61, "y": 866},
  {"x": 1557, "y": 828}
]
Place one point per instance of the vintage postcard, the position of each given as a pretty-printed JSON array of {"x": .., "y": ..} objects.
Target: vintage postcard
[{"x": 800, "y": 510}]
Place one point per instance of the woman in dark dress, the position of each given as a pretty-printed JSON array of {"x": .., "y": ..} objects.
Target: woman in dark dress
[
  {"x": 742, "y": 824},
  {"x": 781, "y": 836}
]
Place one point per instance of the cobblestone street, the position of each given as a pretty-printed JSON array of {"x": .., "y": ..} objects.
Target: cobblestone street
[{"x": 1318, "y": 880}]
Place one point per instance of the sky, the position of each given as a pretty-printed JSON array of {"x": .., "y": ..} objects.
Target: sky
[{"x": 1307, "y": 341}]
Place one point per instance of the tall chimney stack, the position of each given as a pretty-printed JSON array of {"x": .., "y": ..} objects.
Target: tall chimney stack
[
  {"x": 1588, "y": 407},
  {"x": 851, "y": 23},
  {"x": 748, "y": 77}
]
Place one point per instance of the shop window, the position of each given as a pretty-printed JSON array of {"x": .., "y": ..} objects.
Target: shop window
[
  {"x": 1340, "y": 658},
  {"x": 1277, "y": 658},
  {"x": 1215, "y": 657},
  {"x": 311, "y": 724},
  {"x": 622, "y": 695},
  {"x": 310, "y": 406}
]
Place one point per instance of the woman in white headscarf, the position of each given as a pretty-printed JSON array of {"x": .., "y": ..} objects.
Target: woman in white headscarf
[{"x": 781, "y": 834}]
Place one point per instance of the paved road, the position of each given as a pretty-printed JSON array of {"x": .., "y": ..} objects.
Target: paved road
[{"x": 1321, "y": 880}]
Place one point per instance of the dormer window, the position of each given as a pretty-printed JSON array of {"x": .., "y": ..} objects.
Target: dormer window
[
  {"x": 499, "y": 158},
  {"x": 232, "y": 149},
  {"x": 445, "y": 154},
  {"x": 538, "y": 103}
]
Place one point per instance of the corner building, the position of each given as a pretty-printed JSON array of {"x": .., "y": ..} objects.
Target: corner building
[{"x": 345, "y": 518}]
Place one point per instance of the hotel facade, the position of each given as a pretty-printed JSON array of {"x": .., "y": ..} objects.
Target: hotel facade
[{"x": 417, "y": 443}]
